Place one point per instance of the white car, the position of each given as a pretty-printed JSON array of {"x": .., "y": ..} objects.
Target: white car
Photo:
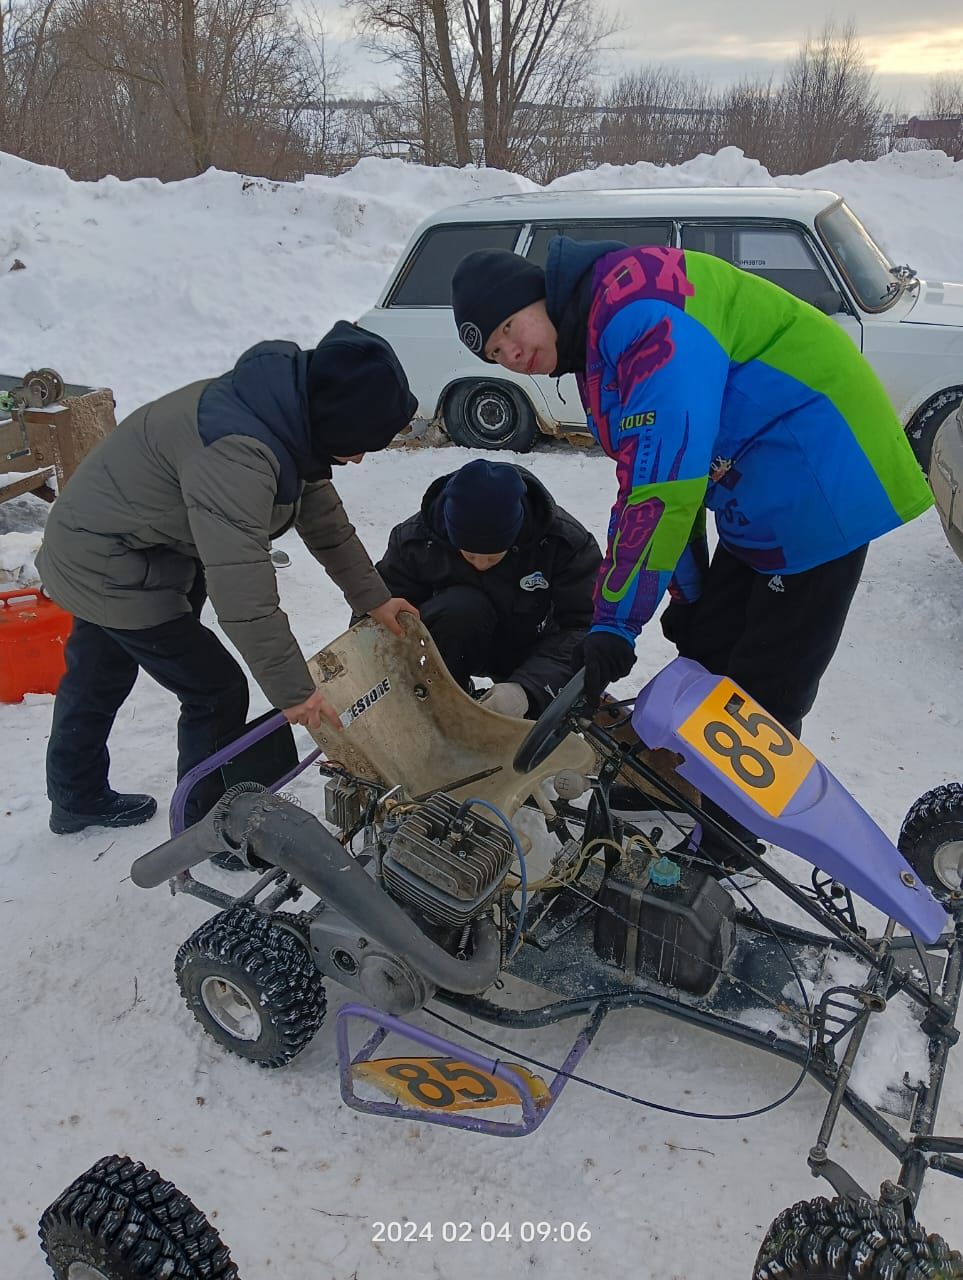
[
  {"x": 809, "y": 242},
  {"x": 946, "y": 478}
]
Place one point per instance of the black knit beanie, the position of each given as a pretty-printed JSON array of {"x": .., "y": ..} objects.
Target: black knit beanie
[
  {"x": 487, "y": 287},
  {"x": 358, "y": 395},
  {"x": 482, "y": 508}
]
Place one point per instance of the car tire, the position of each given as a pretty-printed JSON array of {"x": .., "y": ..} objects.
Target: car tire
[
  {"x": 123, "y": 1221},
  {"x": 490, "y": 415},
  {"x": 922, "y": 429},
  {"x": 252, "y": 985},
  {"x": 824, "y": 1239},
  {"x": 931, "y": 838}
]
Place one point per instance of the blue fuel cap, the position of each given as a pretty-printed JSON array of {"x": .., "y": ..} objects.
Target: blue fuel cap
[{"x": 664, "y": 872}]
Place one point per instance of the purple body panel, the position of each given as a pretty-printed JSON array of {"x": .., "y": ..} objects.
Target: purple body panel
[{"x": 821, "y": 823}]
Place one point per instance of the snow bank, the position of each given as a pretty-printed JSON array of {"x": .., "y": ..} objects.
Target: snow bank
[{"x": 141, "y": 285}]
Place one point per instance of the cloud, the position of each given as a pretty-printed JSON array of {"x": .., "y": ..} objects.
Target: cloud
[{"x": 926, "y": 52}]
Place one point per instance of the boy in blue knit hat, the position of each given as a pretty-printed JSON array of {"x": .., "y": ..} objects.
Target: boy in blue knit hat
[{"x": 502, "y": 578}]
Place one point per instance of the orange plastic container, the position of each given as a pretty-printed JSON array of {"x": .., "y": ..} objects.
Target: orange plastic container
[{"x": 33, "y": 631}]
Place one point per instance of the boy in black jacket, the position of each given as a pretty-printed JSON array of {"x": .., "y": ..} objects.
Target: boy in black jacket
[{"x": 503, "y": 579}]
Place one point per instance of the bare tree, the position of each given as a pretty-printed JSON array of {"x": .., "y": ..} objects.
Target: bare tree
[
  {"x": 493, "y": 61},
  {"x": 416, "y": 35},
  {"x": 655, "y": 114},
  {"x": 944, "y": 115},
  {"x": 325, "y": 131},
  {"x": 177, "y": 85},
  {"x": 752, "y": 117},
  {"x": 28, "y": 64},
  {"x": 831, "y": 109}
]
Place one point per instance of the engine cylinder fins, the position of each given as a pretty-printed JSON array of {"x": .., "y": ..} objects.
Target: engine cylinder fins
[{"x": 446, "y": 864}]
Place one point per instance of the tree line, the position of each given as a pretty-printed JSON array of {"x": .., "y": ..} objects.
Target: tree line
[{"x": 167, "y": 88}]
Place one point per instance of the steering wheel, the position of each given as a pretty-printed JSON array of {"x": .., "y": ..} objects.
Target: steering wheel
[{"x": 551, "y": 728}]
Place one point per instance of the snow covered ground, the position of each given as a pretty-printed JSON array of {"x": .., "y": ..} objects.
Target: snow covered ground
[{"x": 143, "y": 287}]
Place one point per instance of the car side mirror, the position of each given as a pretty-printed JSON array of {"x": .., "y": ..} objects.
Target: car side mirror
[{"x": 830, "y": 302}]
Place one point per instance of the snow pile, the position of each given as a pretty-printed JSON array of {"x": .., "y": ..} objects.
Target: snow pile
[{"x": 142, "y": 287}]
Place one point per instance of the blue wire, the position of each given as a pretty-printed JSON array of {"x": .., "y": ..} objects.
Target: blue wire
[{"x": 520, "y": 922}]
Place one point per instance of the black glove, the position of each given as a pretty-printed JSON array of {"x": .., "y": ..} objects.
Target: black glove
[{"x": 605, "y": 657}]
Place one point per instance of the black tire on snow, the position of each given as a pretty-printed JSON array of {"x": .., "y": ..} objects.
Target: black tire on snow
[
  {"x": 859, "y": 1239},
  {"x": 490, "y": 415},
  {"x": 921, "y": 432},
  {"x": 242, "y": 962},
  {"x": 931, "y": 838},
  {"x": 126, "y": 1222}
]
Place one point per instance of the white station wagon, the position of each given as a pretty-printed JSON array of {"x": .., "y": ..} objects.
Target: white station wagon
[{"x": 809, "y": 242}]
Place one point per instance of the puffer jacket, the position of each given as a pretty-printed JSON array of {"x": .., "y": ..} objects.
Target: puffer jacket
[
  {"x": 211, "y": 472},
  {"x": 541, "y": 591}
]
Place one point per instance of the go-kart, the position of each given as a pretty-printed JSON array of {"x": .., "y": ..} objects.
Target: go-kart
[{"x": 422, "y": 897}]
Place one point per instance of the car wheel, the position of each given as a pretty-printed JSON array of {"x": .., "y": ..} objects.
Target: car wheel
[
  {"x": 252, "y": 985},
  {"x": 922, "y": 430},
  {"x": 822, "y": 1239},
  {"x": 490, "y": 415},
  {"x": 931, "y": 838},
  {"x": 123, "y": 1221}
]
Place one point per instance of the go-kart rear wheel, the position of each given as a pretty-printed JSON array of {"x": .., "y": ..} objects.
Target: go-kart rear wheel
[
  {"x": 931, "y": 838},
  {"x": 824, "y": 1239},
  {"x": 123, "y": 1221},
  {"x": 252, "y": 985}
]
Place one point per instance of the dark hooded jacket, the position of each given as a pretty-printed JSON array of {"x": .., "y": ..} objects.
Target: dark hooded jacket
[
  {"x": 541, "y": 591},
  {"x": 212, "y": 473}
]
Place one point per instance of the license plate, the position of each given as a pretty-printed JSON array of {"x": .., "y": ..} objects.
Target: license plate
[
  {"x": 753, "y": 751},
  {"x": 445, "y": 1084}
]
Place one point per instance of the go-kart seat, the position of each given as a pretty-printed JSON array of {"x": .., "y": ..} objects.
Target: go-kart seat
[{"x": 407, "y": 721}]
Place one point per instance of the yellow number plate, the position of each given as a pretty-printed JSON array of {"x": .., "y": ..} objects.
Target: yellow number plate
[
  {"x": 444, "y": 1084},
  {"x": 754, "y": 751}
]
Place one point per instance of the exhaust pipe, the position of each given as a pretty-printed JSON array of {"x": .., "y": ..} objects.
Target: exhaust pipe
[{"x": 272, "y": 832}]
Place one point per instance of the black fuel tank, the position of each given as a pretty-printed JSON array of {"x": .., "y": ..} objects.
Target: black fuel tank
[{"x": 679, "y": 934}]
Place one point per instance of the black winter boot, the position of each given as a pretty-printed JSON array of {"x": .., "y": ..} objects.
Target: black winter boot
[{"x": 114, "y": 810}]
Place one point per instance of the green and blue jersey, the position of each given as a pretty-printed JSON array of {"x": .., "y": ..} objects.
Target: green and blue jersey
[{"x": 713, "y": 389}]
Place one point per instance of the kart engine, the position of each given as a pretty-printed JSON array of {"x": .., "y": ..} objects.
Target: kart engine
[
  {"x": 442, "y": 861},
  {"x": 447, "y": 861}
]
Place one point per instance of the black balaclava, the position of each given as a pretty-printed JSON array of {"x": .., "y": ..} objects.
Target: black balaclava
[
  {"x": 571, "y": 328},
  {"x": 569, "y": 271},
  {"x": 358, "y": 395}
]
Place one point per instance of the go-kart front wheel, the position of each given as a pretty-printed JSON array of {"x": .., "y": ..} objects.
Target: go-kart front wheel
[
  {"x": 825, "y": 1239},
  {"x": 123, "y": 1221},
  {"x": 931, "y": 838},
  {"x": 252, "y": 985}
]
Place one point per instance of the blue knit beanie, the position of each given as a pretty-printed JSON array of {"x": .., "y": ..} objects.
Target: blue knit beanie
[{"x": 482, "y": 508}]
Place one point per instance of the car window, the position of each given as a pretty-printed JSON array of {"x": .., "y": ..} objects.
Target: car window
[
  {"x": 779, "y": 254},
  {"x": 628, "y": 232},
  {"x": 863, "y": 262},
  {"x": 425, "y": 280}
]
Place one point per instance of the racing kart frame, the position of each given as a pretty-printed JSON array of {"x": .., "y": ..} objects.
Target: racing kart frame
[{"x": 436, "y": 907}]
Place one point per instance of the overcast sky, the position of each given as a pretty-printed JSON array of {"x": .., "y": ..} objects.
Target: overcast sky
[{"x": 906, "y": 41}]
